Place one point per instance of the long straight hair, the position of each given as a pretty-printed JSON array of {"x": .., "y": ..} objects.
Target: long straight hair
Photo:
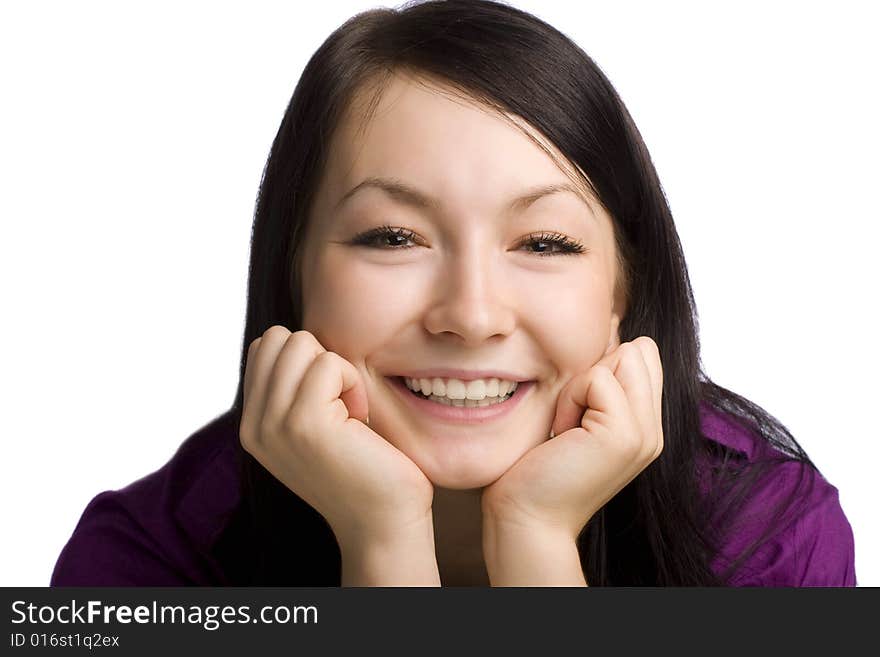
[{"x": 658, "y": 530}]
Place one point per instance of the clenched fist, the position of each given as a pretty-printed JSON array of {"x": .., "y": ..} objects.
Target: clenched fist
[{"x": 303, "y": 420}]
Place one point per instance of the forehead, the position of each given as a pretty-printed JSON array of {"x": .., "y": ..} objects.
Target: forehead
[{"x": 419, "y": 129}]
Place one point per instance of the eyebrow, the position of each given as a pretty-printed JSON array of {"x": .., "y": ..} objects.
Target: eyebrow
[{"x": 405, "y": 193}]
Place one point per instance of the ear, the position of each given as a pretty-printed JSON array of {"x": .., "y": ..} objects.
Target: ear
[{"x": 613, "y": 333}]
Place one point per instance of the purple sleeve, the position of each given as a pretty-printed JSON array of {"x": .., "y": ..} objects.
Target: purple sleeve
[
  {"x": 109, "y": 548},
  {"x": 825, "y": 547},
  {"x": 810, "y": 544}
]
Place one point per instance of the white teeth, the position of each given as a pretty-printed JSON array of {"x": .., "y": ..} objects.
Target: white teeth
[
  {"x": 458, "y": 390},
  {"x": 465, "y": 403},
  {"x": 476, "y": 390}
]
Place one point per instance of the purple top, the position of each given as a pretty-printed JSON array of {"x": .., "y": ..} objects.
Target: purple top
[{"x": 160, "y": 530}]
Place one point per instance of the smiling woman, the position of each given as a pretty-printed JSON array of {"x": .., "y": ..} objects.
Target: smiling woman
[
  {"x": 436, "y": 260},
  {"x": 470, "y": 352}
]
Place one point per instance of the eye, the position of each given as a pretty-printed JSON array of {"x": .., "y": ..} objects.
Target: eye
[
  {"x": 385, "y": 237},
  {"x": 563, "y": 244}
]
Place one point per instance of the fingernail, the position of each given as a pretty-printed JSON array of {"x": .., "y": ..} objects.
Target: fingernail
[
  {"x": 368, "y": 420},
  {"x": 552, "y": 435}
]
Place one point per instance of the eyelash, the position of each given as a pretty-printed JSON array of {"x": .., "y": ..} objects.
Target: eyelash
[{"x": 568, "y": 246}]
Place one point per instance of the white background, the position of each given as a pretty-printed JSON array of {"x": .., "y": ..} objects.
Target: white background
[{"x": 133, "y": 137}]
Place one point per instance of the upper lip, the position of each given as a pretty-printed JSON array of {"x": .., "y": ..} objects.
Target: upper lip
[{"x": 464, "y": 375}]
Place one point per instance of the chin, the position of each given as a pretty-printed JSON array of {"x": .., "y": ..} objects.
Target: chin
[
  {"x": 464, "y": 476},
  {"x": 454, "y": 481},
  {"x": 452, "y": 459}
]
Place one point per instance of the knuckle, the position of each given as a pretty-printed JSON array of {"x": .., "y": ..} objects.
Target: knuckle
[
  {"x": 649, "y": 450},
  {"x": 646, "y": 342},
  {"x": 604, "y": 375},
  {"x": 302, "y": 336},
  {"x": 246, "y": 437},
  {"x": 326, "y": 358},
  {"x": 649, "y": 347},
  {"x": 658, "y": 450},
  {"x": 627, "y": 347},
  {"x": 276, "y": 332},
  {"x": 305, "y": 342}
]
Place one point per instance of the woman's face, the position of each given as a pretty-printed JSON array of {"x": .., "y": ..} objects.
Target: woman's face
[{"x": 465, "y": 290}]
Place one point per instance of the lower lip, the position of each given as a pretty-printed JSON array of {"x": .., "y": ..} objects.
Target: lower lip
[{"x": 462, "y": 414}]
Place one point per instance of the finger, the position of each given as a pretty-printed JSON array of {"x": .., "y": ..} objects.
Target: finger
[
  {"x": 571, "y": 404},
  {"x": 568, "y": 409},
  {"x": 652, "y": 358},
  {"x": 651, "y": 354},
  {"x": 611, "y": 359},
  {"x": 260, "y": 364},
  {"x": 293, "y": 360},
  {"x": 249, "y": 367},
  {"x": 590, "y": 392},
  {"x": 635, "y": 380},
  {"x": 332, "y": 380}
]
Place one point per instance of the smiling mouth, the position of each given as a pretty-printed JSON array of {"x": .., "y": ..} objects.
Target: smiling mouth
[{"x": 460, "y": 403}]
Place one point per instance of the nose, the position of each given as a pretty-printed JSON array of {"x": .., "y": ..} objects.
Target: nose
[{"x": 470, "y": 299}]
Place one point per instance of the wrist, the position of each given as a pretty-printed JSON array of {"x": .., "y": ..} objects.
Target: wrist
[
  {"x": 520, "y": 553},
  {"x": 405, "y": 558}
]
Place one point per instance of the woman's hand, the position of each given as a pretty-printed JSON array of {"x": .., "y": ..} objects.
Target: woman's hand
[
  {"x": 608, "y": 428},
  {"x": 303, "y": 420}
]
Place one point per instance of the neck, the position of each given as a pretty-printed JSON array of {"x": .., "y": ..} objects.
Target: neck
[{"x": 458, "y": 537}]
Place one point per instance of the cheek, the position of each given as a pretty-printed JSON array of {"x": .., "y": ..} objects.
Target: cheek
[
  {"x": 352, "y": 305},
  {"x": 572, "y": 321}
]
